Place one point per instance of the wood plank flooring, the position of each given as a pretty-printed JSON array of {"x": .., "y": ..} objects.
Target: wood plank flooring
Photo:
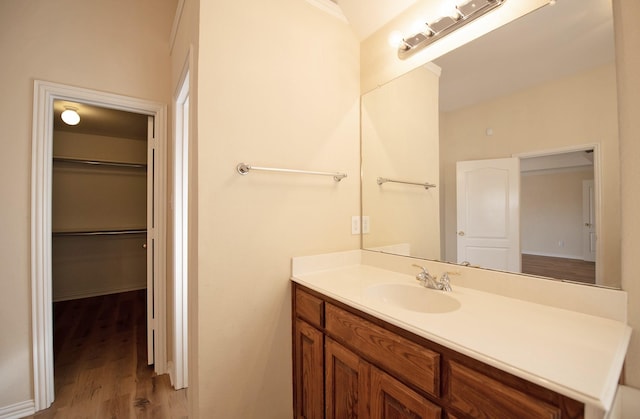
[
  {"x": 101, "y": 366},
  {"x": 559, "y": 268}
]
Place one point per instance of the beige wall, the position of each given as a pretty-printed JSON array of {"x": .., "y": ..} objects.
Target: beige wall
[
  {"x": 402, "y": 143},
  {"x": 576, "y": 110},
  {"x": 278, "y": 86},
  {"x": 551, "y": 222},
  {"x": 628, "y": 66},
  {"x": 117, "y": 46},
  {"x": 85, "y": 266}
]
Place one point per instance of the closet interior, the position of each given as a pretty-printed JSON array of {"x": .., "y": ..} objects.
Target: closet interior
[{"x": 99, "y": 202}]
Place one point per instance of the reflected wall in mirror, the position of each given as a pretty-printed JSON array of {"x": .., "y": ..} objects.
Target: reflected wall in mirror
[{"x": 543, "y": 84}]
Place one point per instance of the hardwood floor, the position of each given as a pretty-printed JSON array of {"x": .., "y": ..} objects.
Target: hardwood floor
[
  {"x": 559, "y": 268},
  {"x": 101, "y": 366}
]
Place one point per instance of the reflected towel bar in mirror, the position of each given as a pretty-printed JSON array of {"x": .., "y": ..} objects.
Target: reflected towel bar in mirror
[
  {"x": 243, "y": 169},
  {"x": 382, "y": 180}
]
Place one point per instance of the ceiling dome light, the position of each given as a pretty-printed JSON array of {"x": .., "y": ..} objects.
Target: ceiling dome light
[{"x": 70, "y": 117}]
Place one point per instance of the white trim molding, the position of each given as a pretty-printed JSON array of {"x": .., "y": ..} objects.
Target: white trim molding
[
  {"x": 17, "y": 410},
  {"x": 179, "y": 371},
  {"x": 45, "y": 93}
]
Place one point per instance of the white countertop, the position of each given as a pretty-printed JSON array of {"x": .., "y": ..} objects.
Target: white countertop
[{"x": 575, "y": 354}]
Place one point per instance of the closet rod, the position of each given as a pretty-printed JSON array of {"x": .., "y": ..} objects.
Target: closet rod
[
  {"x": 382, "y": 180},
  {"x": 243, "y": 169},
  {"x": 99, "y": 232},
  {"x": 100, "y": 162}
]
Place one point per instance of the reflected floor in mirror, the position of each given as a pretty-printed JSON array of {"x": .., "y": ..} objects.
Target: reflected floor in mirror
[
  {"x": 559, "y": 268},
  {"x": 101, "y": 369}
]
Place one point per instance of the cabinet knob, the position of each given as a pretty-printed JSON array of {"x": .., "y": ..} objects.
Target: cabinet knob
[
  {"x": 144, "y": 245},
  {"x": 460, "y": 233}
]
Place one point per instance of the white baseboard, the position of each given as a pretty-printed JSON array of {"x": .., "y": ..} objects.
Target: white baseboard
[{"x": 18, "y": 410}]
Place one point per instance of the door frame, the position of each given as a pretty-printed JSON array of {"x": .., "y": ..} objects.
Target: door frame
[
  {"x": 588, "y": 219},
  {"x": 178, "y": 369},
  {"x": 45, "y": 93}
]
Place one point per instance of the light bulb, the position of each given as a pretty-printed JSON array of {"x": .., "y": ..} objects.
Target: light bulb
[
  {"x": 70, "y": 117},
  {"x": 396, "y": 39},
  {"x": 449, "y": 9},
  {"x": 419, "y": 26}
]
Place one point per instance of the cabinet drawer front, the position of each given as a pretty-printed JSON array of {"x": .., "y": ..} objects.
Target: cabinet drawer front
[
  {"x": 399, "y": 356},
  {"x": 480, "y": 396},
  {"x": 309, "y": 308}
]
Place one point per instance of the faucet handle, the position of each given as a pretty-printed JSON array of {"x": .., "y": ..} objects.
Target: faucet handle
[
  {"x": 445, "y": 282},
  {"x": 425, "y": 273},
  {"x": 423, "y": 276},
  {"x": 421, "y": 267}
]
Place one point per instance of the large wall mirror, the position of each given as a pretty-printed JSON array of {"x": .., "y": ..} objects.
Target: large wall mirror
[{"x": 503, "y": 153}]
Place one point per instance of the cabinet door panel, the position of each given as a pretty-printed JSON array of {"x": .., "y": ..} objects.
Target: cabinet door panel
[
  {"x": 390, "y": 399},
  {"x": 347, "y": 383},
  {"x": 403, "y": 358},
  {"x": 309, "y": 371},
  {"x": 480, "y": 396}
]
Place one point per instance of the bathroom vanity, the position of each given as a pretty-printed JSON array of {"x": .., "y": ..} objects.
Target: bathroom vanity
[{"x": 371, "y": 342}]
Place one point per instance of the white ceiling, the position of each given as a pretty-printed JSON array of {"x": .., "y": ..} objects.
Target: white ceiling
[{"x": 552, "y": 42}]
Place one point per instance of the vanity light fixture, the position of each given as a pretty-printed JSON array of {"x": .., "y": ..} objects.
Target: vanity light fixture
[
  {"x": 461, "y": 14},
  {"x": 70, "y": 116}
]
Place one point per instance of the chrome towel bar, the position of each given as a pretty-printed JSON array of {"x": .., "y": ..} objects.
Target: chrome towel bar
[
  {"x": 243, "y": 169},
  {"x": 382, "y": 180}
]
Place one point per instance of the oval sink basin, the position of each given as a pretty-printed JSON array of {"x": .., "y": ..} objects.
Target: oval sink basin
[{"x": 412, "y": 297}]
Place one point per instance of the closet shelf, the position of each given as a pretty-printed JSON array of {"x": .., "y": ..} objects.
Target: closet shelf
[
  {"x": 100, "y": 163},
  {"x": 100, "y": 232}
]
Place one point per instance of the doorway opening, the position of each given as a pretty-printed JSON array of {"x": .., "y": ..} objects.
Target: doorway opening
[
  {"x": 46, "y": 94},
  {"x": 559, "y": 213}
]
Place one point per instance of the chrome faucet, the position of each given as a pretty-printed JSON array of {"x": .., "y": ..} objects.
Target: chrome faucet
[{"x": 429, "y": 281}]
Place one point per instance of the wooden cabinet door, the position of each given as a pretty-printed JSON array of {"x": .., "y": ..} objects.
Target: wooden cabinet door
[
  {"x": 346, "y": 383},
  {"x": 309, "y": 371},
  {"x": 390, "y": 399}
]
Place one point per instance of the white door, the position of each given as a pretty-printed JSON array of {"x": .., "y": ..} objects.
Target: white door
[
  {"x": 588, "y": 221},
  {"x": 151, "y": 242},
  {"x": 488, "y": 213}
]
